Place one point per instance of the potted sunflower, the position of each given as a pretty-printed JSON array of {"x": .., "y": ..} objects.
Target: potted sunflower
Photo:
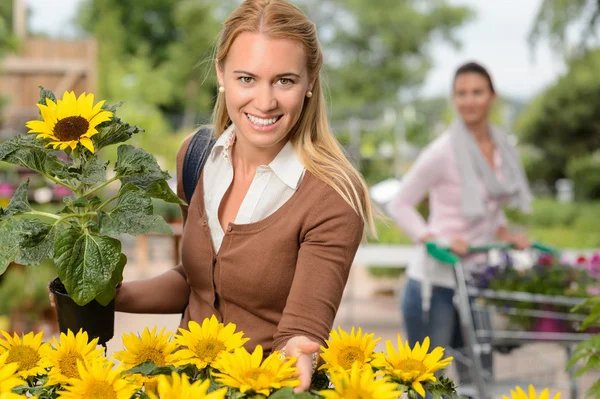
[{"x": 83, "y": 236}]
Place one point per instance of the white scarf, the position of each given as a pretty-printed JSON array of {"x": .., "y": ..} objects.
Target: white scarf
[{"x": 473, "y": 167}]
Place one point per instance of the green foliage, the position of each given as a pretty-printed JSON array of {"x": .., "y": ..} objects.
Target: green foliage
[
  {"x": 24, "y": 290},
  {"x": 586, "y": 355},
  {"x": 82, "y": 238},
  {"x": 556, "y": 17},
  {"x": 585, "y": 173},
  {"x": 563, "y": 123}
]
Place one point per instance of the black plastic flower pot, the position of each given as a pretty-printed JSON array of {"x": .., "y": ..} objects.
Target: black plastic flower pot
[{"x": 97, "y": 320}]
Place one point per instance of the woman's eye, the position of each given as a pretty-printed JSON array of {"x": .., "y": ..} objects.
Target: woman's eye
[
  {"x": 285, "y": 81},
  {"x": 246, "y": 79}
]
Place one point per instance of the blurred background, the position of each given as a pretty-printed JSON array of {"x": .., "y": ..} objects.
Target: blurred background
[{"x": 389, "y": 66}]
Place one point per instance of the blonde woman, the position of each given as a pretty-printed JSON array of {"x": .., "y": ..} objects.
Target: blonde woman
[{"x": 279, "y": 211}]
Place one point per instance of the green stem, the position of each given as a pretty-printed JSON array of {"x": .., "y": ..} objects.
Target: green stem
[
  {"x": 108, "y": 201},
  {"x": 44, "y": 214},
  {"x": 61, "y": 183},
  {"x": 79, "y": 215},
  {"x": 106, "y": 183}
]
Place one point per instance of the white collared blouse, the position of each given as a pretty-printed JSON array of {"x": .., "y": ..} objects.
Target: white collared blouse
[{"x": 271, "y": 187}]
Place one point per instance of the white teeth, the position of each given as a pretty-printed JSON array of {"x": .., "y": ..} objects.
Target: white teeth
[{"x": 261, "y": 122}]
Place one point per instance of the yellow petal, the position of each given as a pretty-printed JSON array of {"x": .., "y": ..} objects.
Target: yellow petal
[{"x": 87, "y": 143}]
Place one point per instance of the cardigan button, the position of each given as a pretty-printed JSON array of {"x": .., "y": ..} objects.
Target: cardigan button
[{"x": 228, "y": 228}]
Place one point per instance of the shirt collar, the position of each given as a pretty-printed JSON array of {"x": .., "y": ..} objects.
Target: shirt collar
[
  {"x": 286, "y": 165},
  {"x": 224, "y": 143}
]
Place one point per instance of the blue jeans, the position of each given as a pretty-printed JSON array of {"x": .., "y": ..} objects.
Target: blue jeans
[{"x": 442, "y": 323}]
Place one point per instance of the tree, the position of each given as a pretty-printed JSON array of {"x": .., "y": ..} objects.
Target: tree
[
  {"x": 152, "y": 51},
  {"x": 556, "y": 17},
  {"x": 375, "y": 49},
  {"x": 563, "y": 123}
]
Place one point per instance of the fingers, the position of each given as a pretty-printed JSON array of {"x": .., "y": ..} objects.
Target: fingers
[
  {"x": 304, "y": 366},
  {"x": 51, "y": 298}
]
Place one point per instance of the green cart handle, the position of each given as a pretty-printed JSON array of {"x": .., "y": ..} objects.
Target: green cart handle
[{"x": 445, "y": 255}]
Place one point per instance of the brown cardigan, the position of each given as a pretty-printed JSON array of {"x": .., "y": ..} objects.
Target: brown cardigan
[{"x": 277, "y": 278}]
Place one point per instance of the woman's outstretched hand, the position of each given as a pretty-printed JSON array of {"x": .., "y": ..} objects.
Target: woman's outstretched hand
[{"x": 302, "y": 348}]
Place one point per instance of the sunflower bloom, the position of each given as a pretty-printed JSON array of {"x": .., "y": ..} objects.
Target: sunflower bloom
[
  {"x": 149, "y": 347},
  {"x": 69, "y": 121},
  {"x": 519, "y": 393},
  {"x": 361, "y": 382},
  {"x": 203, "y": 344},
  {"x": 178, "y": 387},
  {"x": 26, "y": 352},
  {"x": 248, "y": 372},
  {"x": 8, "y": 377},
  {"x": 344, "y": 350},
  {"x": 64, "y": 354},
  {"x": 412, "y": 367},
  {"x": 98, "y": 379}
]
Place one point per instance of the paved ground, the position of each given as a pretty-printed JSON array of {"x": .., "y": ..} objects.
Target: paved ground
[{"x": 540, "y": 364}]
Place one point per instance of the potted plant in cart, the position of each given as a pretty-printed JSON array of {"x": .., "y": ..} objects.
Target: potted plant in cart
[{"x": 83, "y": 237}]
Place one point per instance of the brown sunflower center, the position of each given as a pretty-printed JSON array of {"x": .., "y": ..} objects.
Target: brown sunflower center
[
  {"x": 151, "y": 355},
  {"x": 68, "y": 364},
  {"x": 349, "y": 355},
  {"x": 411, "y": 365},
  {"x": 71, "y": 128},
  {"x": 100, "y": 390},
  {"x": 255, "y": 373},
  {"x": 26, "y": 356},
  {"x": 208, "y": 349}
]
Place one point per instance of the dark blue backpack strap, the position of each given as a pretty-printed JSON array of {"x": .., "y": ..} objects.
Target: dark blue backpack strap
[{"x": 195, "y": 157}]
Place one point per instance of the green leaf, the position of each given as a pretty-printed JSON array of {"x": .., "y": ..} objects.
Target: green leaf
[
  {"x": 85, "y": 262},
  {"x": 132, "y": 215},
  {"x": 46, "y": 94},
  {"x": 155, "y": 188},
  {"x": 113, "y": 133},
  {"x": 18, "y": 203},
  {"x": 9, "y": 242},
  {"x": 29, "y": 152},
  {"x": 92, "y": 172},
  {"x": 37, "y": 243},
  {"x": 149, "y": 368},
  {"x": 283, "y": 393},
  {"x": 136, "y": 161},
  {"x": 112, "y": 107},
  {"x": 108, "y": 294}
]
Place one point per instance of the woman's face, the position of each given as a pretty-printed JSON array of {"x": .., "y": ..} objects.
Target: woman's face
[
  {"x": 472, "y": 97},
  {"x": 266, "y": 81}
]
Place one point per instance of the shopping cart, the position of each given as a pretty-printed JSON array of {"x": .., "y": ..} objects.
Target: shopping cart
[{"x": 480, "y": 308}]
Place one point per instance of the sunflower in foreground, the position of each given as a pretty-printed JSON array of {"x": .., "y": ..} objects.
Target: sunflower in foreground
[
  {"x": 64, "y": 354},
  {"x": 412, "y": 367},
  {"x": 178, "y": 387},
  {"x": 149, "y": 347},
  {"x": 8, "y": 377},
  {"x": 519, "y": 393},
  {"x": 344, "y": 350},
  {"x": 69, "y": 121},
  {"x": 361, "y": 382},
  {"x": 26, "y": 352},
  {"x": 98, "y": 379},
  {"x": 248, "y": 372},
  {"x": 203, "y": 344}
]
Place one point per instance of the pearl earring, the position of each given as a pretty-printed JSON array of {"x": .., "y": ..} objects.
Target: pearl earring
[
  {"x": 221, "y": 89},
  {"x": 309, "y": 94}
]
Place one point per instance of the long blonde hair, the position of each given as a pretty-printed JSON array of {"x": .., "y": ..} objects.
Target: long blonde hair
[{"x": 311, "y": 136}]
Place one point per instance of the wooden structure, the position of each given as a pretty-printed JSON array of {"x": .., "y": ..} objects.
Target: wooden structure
[{"x": 59, "y": 65}]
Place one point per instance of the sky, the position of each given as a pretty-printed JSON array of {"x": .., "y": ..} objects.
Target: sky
[{"x": 496, "y": 37}]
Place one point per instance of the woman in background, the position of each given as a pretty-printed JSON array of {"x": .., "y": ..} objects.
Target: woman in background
[{"x": 470, "y": 172}]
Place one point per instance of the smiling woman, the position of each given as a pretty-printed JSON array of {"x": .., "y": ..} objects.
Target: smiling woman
[{"x": 279, "y": 211}]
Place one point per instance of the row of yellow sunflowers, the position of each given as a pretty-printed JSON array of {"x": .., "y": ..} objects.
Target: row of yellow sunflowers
[{"x": 209, "y": 361}]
